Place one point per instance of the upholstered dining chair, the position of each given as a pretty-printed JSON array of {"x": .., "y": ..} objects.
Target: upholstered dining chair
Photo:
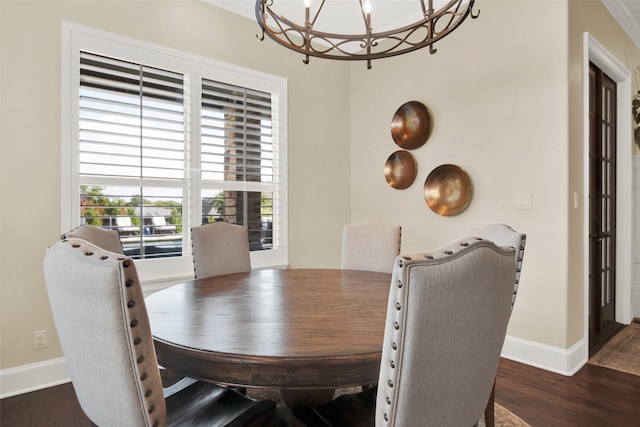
[
  {"x": 109, "y": 240},
  {"x": 102, "y": 323},
  {"x": 502, "y": 235},
  {"x": 370, "y": 246},
  {"x": 446, "y": 322},
  {"x": 220, "y": 248}
]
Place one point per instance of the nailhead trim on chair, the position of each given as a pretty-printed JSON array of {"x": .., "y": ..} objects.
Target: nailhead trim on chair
[
  {"x": 130, "y": 287},
  {"x": 397, "y": 322},
  {"x": 129, "y": 283},
  {"x": 518, "y": 269}
]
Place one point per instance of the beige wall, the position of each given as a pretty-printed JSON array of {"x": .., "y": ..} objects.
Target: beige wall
[
  {"x": 503, "y": 93},
  {"x": 497, "y": 91},
  {"x": 318, "y": 138}
]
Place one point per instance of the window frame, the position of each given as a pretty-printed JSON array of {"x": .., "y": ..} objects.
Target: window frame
[{"x": 170, "y": 270}]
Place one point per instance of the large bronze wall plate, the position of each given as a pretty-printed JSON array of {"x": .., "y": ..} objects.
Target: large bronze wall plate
[
  {"x": 401, "y": 169},
  {"x": 411, "y": 125},
  {"x": 447, "y": 190}
]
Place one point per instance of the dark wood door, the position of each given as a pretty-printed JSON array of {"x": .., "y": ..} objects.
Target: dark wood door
[{"x": 602, "y": 208}]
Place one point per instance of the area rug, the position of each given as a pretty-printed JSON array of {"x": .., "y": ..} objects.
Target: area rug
[
  {"x": 622, "y": 352},
  {"x": 503, "y": 417}
]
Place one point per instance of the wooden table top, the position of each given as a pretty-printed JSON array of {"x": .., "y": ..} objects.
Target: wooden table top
[{"x": 291, "y": 328}]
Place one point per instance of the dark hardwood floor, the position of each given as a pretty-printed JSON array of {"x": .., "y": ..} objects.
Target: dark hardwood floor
[
  {"x": 54, "y": 406},
  {"x": 594, "y": 396}
]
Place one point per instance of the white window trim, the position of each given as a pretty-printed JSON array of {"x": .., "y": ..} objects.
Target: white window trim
[{"x": 157, "y": 272}]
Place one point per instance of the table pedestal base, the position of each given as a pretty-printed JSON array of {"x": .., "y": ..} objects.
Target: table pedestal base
[{"x": 293, "y": 397}]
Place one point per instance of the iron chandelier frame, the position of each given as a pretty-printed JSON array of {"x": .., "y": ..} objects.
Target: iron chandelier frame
[{"x": 368, "y": 45}]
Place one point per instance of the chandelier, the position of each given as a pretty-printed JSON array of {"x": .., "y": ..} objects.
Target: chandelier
[{"x": 363, "y": 44}]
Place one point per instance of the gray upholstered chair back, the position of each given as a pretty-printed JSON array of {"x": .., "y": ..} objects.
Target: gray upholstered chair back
[
  {"x": 109, "y": 240},
  {"x": 370, "y": 246},
  {"x": 101, "y": 319},
  {"x": 503, "y": 235},
  {"x": 220, "y": 248},
  {"x": 446, "y": 322}
]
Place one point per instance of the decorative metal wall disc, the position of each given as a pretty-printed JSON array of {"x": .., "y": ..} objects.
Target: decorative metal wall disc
[
  {"x": 411, "y": 125},
  {"x": 401, "y": 169},
  {"x": 447, "y": 190}
]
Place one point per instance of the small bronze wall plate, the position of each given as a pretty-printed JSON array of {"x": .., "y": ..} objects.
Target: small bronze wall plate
[
  {"x": 447, "y": 190},
  {"x": 411, "y": 125},
  {"x": 401, "y": 169}
]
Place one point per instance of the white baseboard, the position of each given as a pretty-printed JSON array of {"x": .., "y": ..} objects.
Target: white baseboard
[
  {"x": 562, "y": 361},
  {"x": 635, "y": 302},
  {"x": 37, "y": 376}
]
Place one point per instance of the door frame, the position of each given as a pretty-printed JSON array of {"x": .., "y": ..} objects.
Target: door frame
[{"x": 594, "y": 51}]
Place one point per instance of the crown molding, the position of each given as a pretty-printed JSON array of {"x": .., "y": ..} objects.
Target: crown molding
[{"x": 621, "y": 13}]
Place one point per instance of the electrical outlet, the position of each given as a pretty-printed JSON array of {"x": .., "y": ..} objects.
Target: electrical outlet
[{"x": 39, "y": 339}]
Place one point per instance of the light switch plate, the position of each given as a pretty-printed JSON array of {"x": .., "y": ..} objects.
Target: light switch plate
[{"x": 523, "y": 201}]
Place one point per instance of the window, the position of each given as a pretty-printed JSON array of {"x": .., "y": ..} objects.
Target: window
[
  {"x": 159, "y": 141},
  {"x": 237, "y": 147},
  {"x": 131, "y": 153}
]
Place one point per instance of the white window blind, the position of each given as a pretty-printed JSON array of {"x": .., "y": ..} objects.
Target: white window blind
[
  {"x": 131, "y": 120},
  {"x": 237, "y": 149},
  {"x": 236, "y": 134},
  {"x": 160, "y": 141},
  {"x": 131, "y": 153}
]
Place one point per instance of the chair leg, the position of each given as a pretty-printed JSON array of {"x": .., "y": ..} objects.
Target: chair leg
[
  {"x": 169, "y": 377},
  {"x": 489, "y": 415}
]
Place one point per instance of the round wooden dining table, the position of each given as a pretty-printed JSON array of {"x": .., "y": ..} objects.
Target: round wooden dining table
[{"x": 303, "y": 331}]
